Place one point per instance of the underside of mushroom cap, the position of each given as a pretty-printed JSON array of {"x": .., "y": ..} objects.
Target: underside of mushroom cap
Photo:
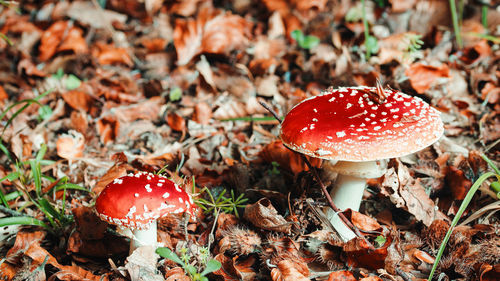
[{"x": 349, "y": 124}]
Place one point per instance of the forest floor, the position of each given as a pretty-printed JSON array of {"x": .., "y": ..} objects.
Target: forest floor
[{"x": 94, "y": 90}]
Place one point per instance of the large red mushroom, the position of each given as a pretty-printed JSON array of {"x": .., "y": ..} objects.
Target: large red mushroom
[
  {"x": 136, "y": 201},
  {"x": 358, "y": 128}
]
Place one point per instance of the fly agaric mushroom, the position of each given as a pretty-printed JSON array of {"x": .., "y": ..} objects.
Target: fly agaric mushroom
[
  {"x": 136, "y": 201},
  {"x": 358, "y": 128}
]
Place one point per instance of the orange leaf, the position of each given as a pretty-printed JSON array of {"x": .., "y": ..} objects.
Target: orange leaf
[
  {"x": 360, "y": 255},
  {"x": 109, "y": 54},
  {"x": 423, "y": 76},
  {"x": 77, "y": 100},
  {"x": 342, "y": 275},
  {"x": 70, "y": 146},
  {"x": 211, "y": 32},
  {"x": 286, "y": 158},
  {"x": 176, "y": 122},
  {"x": 108, "y": 129},
  {"x": 364, "y": 222},
  {"x": 457, "y": 182},
  {"x": 74, "y": 41},
  {"x": 154, "y": 44},
  {"x": 51, "y": 38}
]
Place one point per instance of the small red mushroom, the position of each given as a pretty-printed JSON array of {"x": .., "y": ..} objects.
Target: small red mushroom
[
  {"x": 359, "y": 127},
  {"x": 136, "y": 201}
]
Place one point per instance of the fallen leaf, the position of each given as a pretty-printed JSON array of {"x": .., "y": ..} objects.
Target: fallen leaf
[
  {"x": 109, "y": 54},
  {"x": 78, "y": 99},
  {"x": 422, "y": 77},
  {"x": 290, "y": 270},
  {"x": 74, "y": 41},
  {"x": 362, "y": 221},
  {"x": 51, "y": 38},
  {"x": 176, "y": 274},
  {"x": 342, "y": 275},
  {"x": 287, "y": 159},
  {"x": 212, "y": 32},
  {"x": 70, "y": 146},
  {"x": 148, "y": 109},
  {"x": 87, "y": 13},
  {"x": 457, "y": 182},
  {"x": 176, "y": 122},
  {"x": 262, "y": 214},
  {"x": 202, "y": 113},
  {"x": 108, "y": 128},
  {"x": 88, "y": 223},
  {"x": 141, "y": 264},
  {"x": 360, "y": 255}
]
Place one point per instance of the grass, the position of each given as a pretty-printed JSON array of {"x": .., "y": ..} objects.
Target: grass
[
  {"x": 456, "y": 25},
  {"x": 463, "y": 206}
]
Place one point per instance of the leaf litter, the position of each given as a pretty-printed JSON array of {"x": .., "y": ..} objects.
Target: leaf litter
[{"x": 175, "y": 85}]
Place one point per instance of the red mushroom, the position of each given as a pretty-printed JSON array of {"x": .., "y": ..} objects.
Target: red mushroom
[
  {"x": 359, "y": 127},
  {"x": 136, "y": 201}
]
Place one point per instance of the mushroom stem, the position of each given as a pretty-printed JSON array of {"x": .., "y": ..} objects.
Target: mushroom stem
[
  {"x": 143, "y": 237},
  {"x": 349, "y": 188}
]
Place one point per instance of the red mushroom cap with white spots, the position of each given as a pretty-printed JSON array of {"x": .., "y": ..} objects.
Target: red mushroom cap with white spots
[
  {"x": 136, "y": 200},
  {"x": 349, "y": 124}
]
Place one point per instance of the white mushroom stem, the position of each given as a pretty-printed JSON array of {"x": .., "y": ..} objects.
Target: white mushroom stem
[
  {"x": 143, "y": 237},
  {"x": 349, "y": 188}
]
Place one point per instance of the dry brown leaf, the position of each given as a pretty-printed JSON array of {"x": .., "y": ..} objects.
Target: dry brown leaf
[
  {"x": 236, "y": 268},
  {"x": 28, "y": 67},
  {"x": 457, "y": 182},
  {"x": 211, "y": 32},
  {"x": 290, "y": 270},
  {"x": 371, "y": 278},
  {"x": 342, "y": 275},
  {"x": 79, "y": 121},
  {"x": 74, "y": 41},
  {"x": 78, "y": 100},
  {"x": 108, "y": 128},
  {"x": 154, "y": 44},
  {"x": 87, "y": 13},
  {"x": 202, "y": 113},
  {"x": 141, "y": 264},
  {"x": 118, "y": 170},
  {"x": 185, "y": 8},
  {"x": 359, "y": 254},
  {"x": 176, "y": 274},
  {"x": 422, "y": 77},
  {"x": 407, "y": 193},
  {"x": 109, "y": 54},
  {"x": 363, "y": 222},
  {"x": 88, "y": 223},
  {"x": 51, "y": 38},
  {"x": 176, "y": 122},
  {"x": 70, "y": 146},
  {"x": 401, "y": 6},
  {"x": 287, "y": 159},
  {"x": 262, "y": 214},
  {"x": 148, "y": 109}
]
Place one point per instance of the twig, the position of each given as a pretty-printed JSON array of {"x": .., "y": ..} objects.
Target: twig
[{"x": 323, "y": 187}]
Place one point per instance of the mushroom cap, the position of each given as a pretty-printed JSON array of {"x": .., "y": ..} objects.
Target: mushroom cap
[
  {"x": 349, "y": 124},
  {"x": 136, "y": 200}
]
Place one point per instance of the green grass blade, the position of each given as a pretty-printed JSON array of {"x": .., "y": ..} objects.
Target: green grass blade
[
  {"x": 457, "y": 217},
  {"x": 456, "y": 26},
  {"x": 22, "y": 221},
  {"x": 37, "y": 176}
]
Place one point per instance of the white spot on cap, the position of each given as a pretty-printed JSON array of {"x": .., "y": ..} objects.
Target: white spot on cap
[
  {"x": 322, "y": 152},
  {"x": 180, "y": 200},
  {"x": 348, "y": 105},
  {"x": 332, "y": 99},
  {"x": 376, "y": 128},
  {"x": 136, "y": 194},
  {"x": 315, "y": 110},
  {"x": 131, "y": 211},
  {"x": 159, "y": 184},
  {"x": 341, "y": 95},
  {"x": 177, "y": 188},
  {"x": 340, "y": 134},
  {"x": 315, "y": 120},
  {"x": 145, "y": 208},
  {"x": 148, "y": 188},
  {"x": 118, "y": 181},
  {"x": 165, "y": 195}
]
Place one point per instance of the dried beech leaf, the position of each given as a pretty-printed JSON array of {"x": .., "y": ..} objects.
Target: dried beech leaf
[
  {"x": 88, "y": 223},
  {"x": 343, "y": 275},
  {"x": 211, "y": 32},
  {"x": 70, "y": 146},
  {"x": 176, "y": 122},
  {"x": 108, "y": 128},
  {"x": 78, "y": 100},
  {"x": 148, "y": 109},
  {"x": 422, "y": 77},
  {"x": 364, "y": 222},
  {"x": 74, "y": 41},
  {"x": 141, "y": 264},
  {"x": 407, "y": 193},
  {"x": 51, "y": 38},
  {"x": 290, "y": 270},
  {"x": 360, "y": 255},
  {"x": 288, "y": 159},
  {"x": 109, "y": 54},
  {"x": 176, "y": 274},
  {"x": 262, "y": 214}
]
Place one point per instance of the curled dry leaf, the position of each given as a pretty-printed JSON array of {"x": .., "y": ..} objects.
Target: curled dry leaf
[
  {"x": 88, "y": 223},
  {"x": 108, "y": 128},
  {"x": 50, "y": 40},
  {"x": 286, "y": 158},
  {"x": 211, "y": 32},
  {"x": 363, "y": 222},
  {"x": 360, "y": 255},
  {"x": 88, "y": 13},
  {"x": 109, "y": 54},
  {"x": 78, "y": 100},
  {"x": 118, "y": 170},
  {"x": 422, "y": 77},
  {"x": 407, "y": 193},
  {"x": 262, "y": 214},
  {"x": 176, "y": 122},
  {"x": 148, "y": 109},
  {"x": 141, "y": 264},
  {"x": 74, "y": 41},
  {"x": 457, "y": 182},
  {"x": 343, "y": 275},
  {"x": 290, "y": 270},
  {"x": 176, "y": 274},
  {"x": 202, "y": 113},
  {"x": 236, "y": 268},
  {"x": 70, "y": 146}
]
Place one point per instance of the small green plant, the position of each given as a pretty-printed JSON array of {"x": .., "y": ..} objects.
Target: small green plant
[
  {"x": 411, "y": 45},
  {"x": 25, "y": 103},
  {"x": 371, "y": 43},
  {"x": 218, "y": 203},
  {"x": 175, "y": 94},
  {"x": 27, "y": 178},
  {"x": 274, "y": 170},
  {"x": 456, "y": 24},
  {"x": 71, "y": 82},
  {"x": 209, "y": 265},
  {"x": 463, "y": 206},
  {"x": 305, "y": 41},
  {"x": 380, "y": 240}
]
